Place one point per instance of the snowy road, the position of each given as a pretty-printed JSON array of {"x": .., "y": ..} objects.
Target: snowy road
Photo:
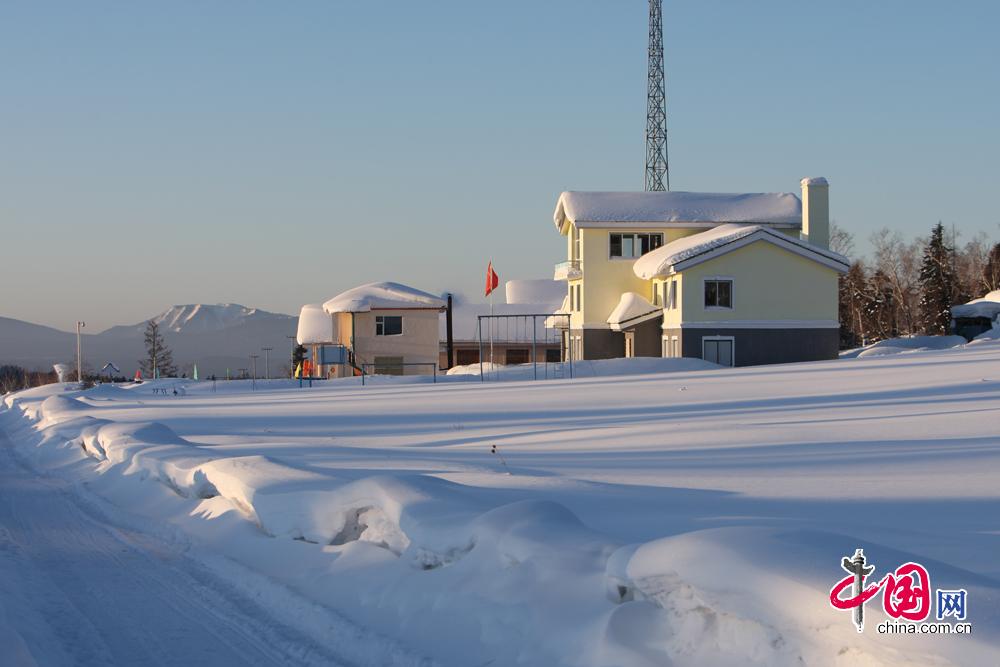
[{"x": 74, "y": 590}]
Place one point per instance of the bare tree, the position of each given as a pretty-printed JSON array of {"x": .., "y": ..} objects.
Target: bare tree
[
  {"x": 899, "y": 262},
  {"x": 841, "y": 240}
]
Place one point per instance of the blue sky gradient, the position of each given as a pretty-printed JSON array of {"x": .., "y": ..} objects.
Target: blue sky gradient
[{"x": 274, "y": 154}]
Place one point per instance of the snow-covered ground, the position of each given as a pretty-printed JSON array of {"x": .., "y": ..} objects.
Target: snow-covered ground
[{"x": 694, "y": 517}]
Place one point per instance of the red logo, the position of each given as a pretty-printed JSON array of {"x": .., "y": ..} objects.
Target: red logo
[{"x": 906, "y": 593}]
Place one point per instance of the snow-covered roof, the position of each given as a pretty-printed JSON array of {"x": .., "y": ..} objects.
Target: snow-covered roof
[
  {"x": 814, "y": 180},
  {"x": 987, "y": 306},
  {"x": 631, "y": 310},
  {"x": 690, "y": 250},
  {"x": 315, "y": 325},
  {"x": 679, "y": 207},
  {"x": 382, "y": 296},
  {"x": 542, "y": 290}
]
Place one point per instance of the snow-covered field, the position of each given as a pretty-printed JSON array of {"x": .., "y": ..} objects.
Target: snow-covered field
[{"x": 694, "y": 517}]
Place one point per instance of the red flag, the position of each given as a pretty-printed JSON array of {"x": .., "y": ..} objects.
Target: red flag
[{"x": 492, "y": 279}]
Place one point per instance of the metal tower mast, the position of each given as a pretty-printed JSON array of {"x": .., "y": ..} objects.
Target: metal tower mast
[{"x": 657, "y": 171}]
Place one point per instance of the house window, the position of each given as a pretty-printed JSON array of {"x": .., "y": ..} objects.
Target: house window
[
  {"x": 656, "y": 294},
  {"x": 718, "y": 293},
  {"x": 629, "y": 246},
  {"x": 517, "y": 355},
  {"x": 672, "y": 297},
  {"x": 553, "y": 356},
  {"x": 577, "y": 243},
  {"x": 579, "y": 297},
  {"x": 388, "y": 325}
]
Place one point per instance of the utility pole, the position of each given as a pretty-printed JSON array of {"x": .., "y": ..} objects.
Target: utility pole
[
  {"x": 291, "y": 357},
  {"x": 267, "y": 362},
  {"x": 657, "y": 171},
  {"x": 79, "y": 348},
  {"x": 253, "y": 363}
]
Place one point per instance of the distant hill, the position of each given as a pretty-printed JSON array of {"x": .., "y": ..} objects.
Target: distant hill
[{"x": 216, "y": 337}]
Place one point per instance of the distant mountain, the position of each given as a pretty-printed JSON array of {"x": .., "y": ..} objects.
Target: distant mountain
[
  {"x": 215, "y": 337},
  {"x": 202, "y": 318}
]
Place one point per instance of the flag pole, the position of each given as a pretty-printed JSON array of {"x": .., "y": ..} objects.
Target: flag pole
[{"x": 490, "y": 279}]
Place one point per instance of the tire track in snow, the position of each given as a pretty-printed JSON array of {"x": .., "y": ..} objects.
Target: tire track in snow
[{"x": 74, "y": 590}]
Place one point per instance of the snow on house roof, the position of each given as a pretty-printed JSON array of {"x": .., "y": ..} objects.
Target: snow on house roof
[
  {"x": 690, "y": 250},
  {"x": 315, "y": 325},
  {"x": 382, "y": 296},
  {"x": 631, "y": 310},
  {"x": 541, "y": 290},
  {"x": 987, "y": 306},
  {"x": 661, "y": 207}
]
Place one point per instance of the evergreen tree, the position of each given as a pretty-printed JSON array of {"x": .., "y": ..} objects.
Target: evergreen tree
[
  {"x": 298, "y": 356},
  {"x": 159, "y": 361},
  {"x": 991, "y": 270},
  {"x": 938, "y": 285}
]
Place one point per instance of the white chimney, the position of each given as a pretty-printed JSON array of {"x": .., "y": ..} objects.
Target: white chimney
[{"x": 816, "y": 211}]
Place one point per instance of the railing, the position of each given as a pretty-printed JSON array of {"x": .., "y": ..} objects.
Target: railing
[{"x": 571, "y": 269}]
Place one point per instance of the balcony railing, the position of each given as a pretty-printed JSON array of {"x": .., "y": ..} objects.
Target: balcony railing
[{"x": 571, "y": 269}]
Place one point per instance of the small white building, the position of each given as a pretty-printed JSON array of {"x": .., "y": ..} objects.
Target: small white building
[{"x": 378, "y": 328}]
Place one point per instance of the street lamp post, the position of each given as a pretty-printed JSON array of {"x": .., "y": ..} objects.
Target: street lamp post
[
  {"x": 253, "y": 363},
  {"x": 267, "y": 362},
  {"x": 79, "y": 360},
  {"x": 291, "y": 358}
]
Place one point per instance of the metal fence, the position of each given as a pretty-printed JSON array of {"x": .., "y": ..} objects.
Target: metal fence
[{"x": 526, "y": 331}]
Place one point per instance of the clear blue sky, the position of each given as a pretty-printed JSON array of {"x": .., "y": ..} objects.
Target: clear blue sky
[{"x": 273, "y": 154}]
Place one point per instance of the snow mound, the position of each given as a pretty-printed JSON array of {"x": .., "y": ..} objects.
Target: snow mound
[
  {"x": 737, "y": 608},
  {"x": 891, "y": 346},
  {"x": 632, "y": 207},
  {"x": 385, "y": 295}
]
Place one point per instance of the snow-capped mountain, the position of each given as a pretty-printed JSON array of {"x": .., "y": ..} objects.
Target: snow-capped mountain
[
  {"x": 200, "y": 317},
  {"x": 216, "y": 337}
]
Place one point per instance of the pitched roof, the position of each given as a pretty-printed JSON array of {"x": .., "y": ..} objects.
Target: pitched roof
[
  {"x": 681, "y": 207},
  {"x": 690, "y": 250},
  {"x": 382, "y": 296}
]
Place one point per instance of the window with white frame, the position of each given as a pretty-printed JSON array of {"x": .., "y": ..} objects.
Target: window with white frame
[
  {"x": 629, "y": 246},
  {"x": 577, "y": 243},
  {"x": 388, "y": 325},
  {"x": 718, "y": 293},
  {"x": 656, "y": 294},
  {"x": 671, "y": 299}
]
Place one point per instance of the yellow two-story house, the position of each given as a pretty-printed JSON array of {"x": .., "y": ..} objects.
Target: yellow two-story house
[{"x": 737, "y": 279}]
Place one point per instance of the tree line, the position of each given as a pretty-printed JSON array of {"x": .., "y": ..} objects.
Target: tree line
[{"x": 908, "y": 287}]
